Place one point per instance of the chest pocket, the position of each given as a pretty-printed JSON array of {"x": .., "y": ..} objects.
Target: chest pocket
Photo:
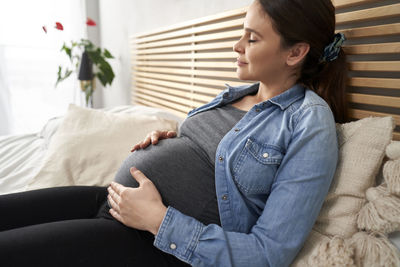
[{"x": 255, "y": 167}]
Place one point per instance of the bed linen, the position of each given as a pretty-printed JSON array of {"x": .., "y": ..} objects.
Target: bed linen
[{"x": 21, "y": 156}]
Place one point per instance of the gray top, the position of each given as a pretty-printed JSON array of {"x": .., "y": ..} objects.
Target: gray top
[{"x": 182, "y": 168}]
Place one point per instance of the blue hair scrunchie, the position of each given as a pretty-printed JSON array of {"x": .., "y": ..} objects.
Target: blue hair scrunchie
[{"x": 331, "y": 51}]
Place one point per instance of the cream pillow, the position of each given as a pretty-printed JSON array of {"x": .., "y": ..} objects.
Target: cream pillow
[
  {"x": 90, "y": 145},
  {"x": 362, "y": 146}
]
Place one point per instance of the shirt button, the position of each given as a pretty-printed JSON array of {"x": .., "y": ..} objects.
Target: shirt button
[
  {"x": 237, "y": 130},
  {"x": 224, "y": 197},
  {"x": 172, "y": 246},
  {"x": 258, "y": 110},
  {"x": 221, "y": 158},
  {"x": 225, "y": 95},
  {"x": 265, "y": 155}
]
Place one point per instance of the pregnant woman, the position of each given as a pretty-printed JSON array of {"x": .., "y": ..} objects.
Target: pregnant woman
[{"x": 242, "y": 184}]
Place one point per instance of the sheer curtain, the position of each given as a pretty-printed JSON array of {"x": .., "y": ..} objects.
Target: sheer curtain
[
  {"x": 28, "y": 69},
  {"x": 6, "y": 126}
]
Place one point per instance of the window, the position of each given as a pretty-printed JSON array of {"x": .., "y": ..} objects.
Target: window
[{"x": 31, "y": 58}]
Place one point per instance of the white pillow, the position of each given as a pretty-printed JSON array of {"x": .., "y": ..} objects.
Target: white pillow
[
  {"x": 90, "y": 145},
  {"x": 362, "y": 145}
]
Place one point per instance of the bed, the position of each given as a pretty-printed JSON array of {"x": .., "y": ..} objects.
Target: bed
[{"x": 180, "y": 67}]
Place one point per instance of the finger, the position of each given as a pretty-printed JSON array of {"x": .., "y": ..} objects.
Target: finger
[
  {"x": 115, "y": 195},
  {"x": 112, "y": 204},
  {"x": 171, "y": 134},
  {"x": 118, "y": 188},
  {"x": 138, "y": 175},
  {"x": 146, "y": 142},
  {"x": 164, "y": 134},
  {"x": 116, "y": 215},
  {"x": 135, "y": 147},
  {"x": 154, "y": 137}
]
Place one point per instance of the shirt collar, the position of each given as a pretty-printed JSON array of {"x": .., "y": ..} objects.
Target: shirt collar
[{"x": 282, "y": 100}]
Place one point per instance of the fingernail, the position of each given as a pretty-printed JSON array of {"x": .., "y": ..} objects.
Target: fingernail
[{"x": 133, "y": 169}]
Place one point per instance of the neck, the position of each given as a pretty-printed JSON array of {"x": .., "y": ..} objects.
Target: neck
[{"x": 268, "y": 90}]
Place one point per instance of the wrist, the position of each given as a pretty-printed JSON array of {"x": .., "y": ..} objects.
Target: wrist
[{"x": 158, "y": 220}]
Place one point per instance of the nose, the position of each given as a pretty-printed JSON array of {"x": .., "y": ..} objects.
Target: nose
[{"x": 238, "y": 47}]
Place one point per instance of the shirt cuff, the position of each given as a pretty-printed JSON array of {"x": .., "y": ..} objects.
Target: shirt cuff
[{"x": 178, "y": 234}]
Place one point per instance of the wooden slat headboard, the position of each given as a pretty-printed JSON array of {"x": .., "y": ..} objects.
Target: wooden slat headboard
[{"x": 183, "y": 66}]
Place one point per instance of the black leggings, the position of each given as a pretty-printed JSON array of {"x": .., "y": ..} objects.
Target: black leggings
[{"x": 71, "y": 226}]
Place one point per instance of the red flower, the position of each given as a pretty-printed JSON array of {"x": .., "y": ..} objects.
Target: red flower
[
  {"x": 44, "y": 28},
  {"x": 90, "y": 22},
  {"x": 59, "y": 26}
]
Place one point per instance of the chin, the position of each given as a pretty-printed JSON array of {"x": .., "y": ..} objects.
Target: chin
[{"x": 243, "y": 76}]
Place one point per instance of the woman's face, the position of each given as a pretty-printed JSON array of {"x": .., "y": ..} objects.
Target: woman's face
[{"x": 261, "y": 57}]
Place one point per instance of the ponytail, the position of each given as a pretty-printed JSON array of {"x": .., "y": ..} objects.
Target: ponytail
[{"x": 330, "y": 84}]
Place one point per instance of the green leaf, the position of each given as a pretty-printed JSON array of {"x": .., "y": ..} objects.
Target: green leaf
[
  {"x": 106, "y": 74},
  {"x": 61, "y": 77},
  {"x": 67, "y": 50},
  {"x": 107, "y": 54}
]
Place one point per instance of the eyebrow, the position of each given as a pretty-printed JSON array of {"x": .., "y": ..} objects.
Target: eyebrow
[{"x": 253, "y": 31}]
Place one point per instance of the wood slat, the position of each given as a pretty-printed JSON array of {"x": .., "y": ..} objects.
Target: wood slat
[
  {"x": 193, "y": 30},
  {"x": 360, "y": 114},
  {"x": 384, "y": 48},
  {"x": 349, "y": 3},
  {"x": 195, "y": 80},
  {"x": 182, "y": 64},
  {"x": 188, "y": 94},
  {"x": 185, "y": 48},
  {"x": 375, "y": 13},
  {"x": 386, "y": 101},
  {"x": 216, "y": 55},
  {"x": 182, "y": 86},
  {"x": 207, "y": 19},
  {"x": 176, "y": 99},
  {"x": 372, "y": 31},
  {"x": 152, "y": 104},
  {"x": 194, "y": 72},
  {"x": 179, "y": 107},
  {"x": 165, "y": 90},
  {"x": 214, "y": 37},
  {"x": 396, "y": 136},
  {"x": 375, "y": 66},
  {"x": 375, "y": 82}
]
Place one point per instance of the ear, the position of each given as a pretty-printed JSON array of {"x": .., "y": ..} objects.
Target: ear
[{"x": 297, "y": 53}]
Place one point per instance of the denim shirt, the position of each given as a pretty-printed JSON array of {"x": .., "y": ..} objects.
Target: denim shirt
[{"x": 273, "y": 170}]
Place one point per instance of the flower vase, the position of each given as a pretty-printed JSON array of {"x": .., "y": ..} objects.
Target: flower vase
[{"x": 88, "y": 88}]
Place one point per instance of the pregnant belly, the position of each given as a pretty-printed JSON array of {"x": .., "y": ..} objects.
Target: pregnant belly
[{"x": 181, "y": 173}]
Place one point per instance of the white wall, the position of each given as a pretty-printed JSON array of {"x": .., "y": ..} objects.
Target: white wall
[{"x": 121, "y": 18}]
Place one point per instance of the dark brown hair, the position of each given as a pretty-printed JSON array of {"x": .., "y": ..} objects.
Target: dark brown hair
[{"x": 313, "y": 22}]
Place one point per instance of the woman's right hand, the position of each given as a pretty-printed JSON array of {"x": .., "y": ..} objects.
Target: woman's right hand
[{"x": 153, "y": 138}]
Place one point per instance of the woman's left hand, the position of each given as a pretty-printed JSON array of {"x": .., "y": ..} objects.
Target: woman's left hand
[{"x": 140, "y": 207}]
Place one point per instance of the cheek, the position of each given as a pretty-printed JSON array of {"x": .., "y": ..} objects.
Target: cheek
[
  {"x": 264, "y": 61},
  {"x": 259, "y": 59}
]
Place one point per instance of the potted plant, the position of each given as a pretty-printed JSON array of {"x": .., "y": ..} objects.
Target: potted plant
[{"x": 84, "y": 55}]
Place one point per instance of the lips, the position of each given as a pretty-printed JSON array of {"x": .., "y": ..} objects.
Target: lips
[{"x": 241, "y": 63}]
